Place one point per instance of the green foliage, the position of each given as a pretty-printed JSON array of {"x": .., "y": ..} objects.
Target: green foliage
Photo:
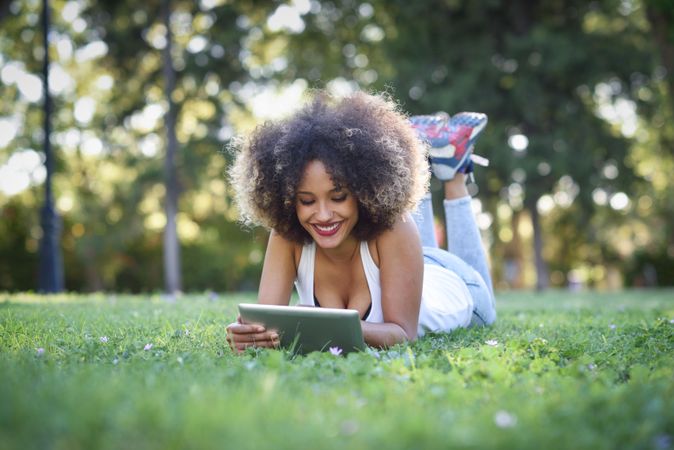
[
  {"x": 557, "y": 371},
  {"x": 15, "y": 232},
  {"x": 109, "y": 181},
  {"x": 543, "y": 69}
]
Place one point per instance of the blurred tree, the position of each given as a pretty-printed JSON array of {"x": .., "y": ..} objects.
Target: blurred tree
[
  {"x": 172, "y": 279},
  {"x": 207, "y": 42},
  {"x": 22, "y": 117},
  {"x": 109, "y": 105},
  {"x": 535, "y": 73},
  {"x": 660, "y": 15},
  {"x": 4, "y": 9},
  {"x": 51, "y": 263},
  {"x": 577, "y": 93}
]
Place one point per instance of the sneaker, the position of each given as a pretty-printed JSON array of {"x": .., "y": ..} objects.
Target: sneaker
[
  {"x": 432, "y": 128},
  {"x": 451, "y": 142}
]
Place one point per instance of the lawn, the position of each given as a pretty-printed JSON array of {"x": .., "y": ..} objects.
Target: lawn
[{"x": 557, "y": 370}]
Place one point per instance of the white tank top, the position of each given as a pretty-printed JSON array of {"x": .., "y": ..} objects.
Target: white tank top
[{"x": 446, "y": 303}]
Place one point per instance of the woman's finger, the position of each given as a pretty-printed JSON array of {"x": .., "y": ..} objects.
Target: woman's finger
[
  {"x": 252, "y": 337},
  {"x": 234, "y": 335},
  {"x": 240, "y": 328},
  {"x": 256, "y": 337},
  {"x": 241, "y": 336}
]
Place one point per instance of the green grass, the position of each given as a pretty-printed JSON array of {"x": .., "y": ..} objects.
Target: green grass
[{"x": 583, "y": 370}]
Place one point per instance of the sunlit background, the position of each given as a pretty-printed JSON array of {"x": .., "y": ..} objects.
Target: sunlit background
[{"x": 579, "y": 97}]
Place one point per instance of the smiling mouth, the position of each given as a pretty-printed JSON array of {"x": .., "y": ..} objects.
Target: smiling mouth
[{"x": 327, "y": 230}]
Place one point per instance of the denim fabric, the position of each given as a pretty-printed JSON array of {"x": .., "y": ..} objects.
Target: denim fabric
[{"x": 465, "y": 255}]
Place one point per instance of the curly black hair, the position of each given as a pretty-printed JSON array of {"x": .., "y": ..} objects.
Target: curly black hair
[{"x": 366, "y": 144}]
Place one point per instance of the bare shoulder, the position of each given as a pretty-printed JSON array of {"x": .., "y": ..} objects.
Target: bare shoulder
[
  {"x": 281, "y": 248},
  {"x": 279, "y": 270},
  {"x": 402, "y": 237}
]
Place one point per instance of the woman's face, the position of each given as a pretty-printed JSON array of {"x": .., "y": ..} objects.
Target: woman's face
[{"x": 328, "y": 212}]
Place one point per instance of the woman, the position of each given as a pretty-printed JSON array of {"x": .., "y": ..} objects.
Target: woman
[{"x": 336, "y": 184}]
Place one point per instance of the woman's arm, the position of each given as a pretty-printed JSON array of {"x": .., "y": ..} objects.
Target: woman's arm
[
  {"x": 278, "y": 271},
  {"x": 384, "y": 334},
  {"x": 276, "y": 283},
  {"x": 401, "y": 270}
]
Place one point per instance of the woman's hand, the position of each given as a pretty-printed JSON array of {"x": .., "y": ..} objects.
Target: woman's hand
[{"x": 241, "y": 335}]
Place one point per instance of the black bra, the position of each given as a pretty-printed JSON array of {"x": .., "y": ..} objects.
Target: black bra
[{"x": 365, "y": 316}]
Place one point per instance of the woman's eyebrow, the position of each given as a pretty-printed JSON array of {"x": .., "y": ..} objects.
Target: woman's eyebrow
[{"x": 335, "y": 189}]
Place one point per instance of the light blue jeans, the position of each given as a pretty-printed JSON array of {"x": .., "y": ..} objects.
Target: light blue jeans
[{"x": 464, "y": 256}]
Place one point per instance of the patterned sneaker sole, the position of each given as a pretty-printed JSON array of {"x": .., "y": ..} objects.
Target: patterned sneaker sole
[
  {"x": 477, "y": 121},
  {"x": 447, "y": 158},
  {"x": 432, "y": 128}
]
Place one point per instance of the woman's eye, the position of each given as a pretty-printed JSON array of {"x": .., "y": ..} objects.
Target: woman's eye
[
  {"x": 339, "y": 198},
  {"x": 306, "y": 202}
]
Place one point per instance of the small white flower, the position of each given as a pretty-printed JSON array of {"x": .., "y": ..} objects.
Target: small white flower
[
  {"x": 104, "y": 339},
  {"x": 503, "y": 419},
  {"x": 671, "y": 321},
  {"x": 40, "y": 351},
  {"x": 147, "y": 347},
  {"x": 336, "y": 351},
  {"x": 613, "y": 326},
  {"x": 491, "y": 342},
  {"x": 591, "y": 366},
  {"x": 250, "y": 365}
]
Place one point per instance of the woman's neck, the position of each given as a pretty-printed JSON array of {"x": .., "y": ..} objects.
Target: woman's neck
[{"x": 345, "y": 252}]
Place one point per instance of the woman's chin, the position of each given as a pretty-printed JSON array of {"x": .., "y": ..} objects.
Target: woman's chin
[
  {"x": 331, "y": 241},
  {"x": 327, "y": 241}
]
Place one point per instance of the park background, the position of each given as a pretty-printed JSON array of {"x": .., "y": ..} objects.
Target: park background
[{"x": 579, "y": 94}]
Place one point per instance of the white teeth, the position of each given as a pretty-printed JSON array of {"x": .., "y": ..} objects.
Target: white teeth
[{"x": 328, "y": 228}]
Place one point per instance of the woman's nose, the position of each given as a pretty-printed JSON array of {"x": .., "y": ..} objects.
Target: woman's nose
[{"x": 324, "y": 212}]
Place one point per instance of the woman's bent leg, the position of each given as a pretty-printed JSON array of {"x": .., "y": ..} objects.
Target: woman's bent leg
[
  {"x": 463, "y": 236},
  {"x": 483, "y": 302},
  {"x": 423, "y": 217},
  {"x": 464, "y": 241}
]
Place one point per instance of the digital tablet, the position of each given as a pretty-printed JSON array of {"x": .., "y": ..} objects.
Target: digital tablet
[{"x": 307, "y": 329}]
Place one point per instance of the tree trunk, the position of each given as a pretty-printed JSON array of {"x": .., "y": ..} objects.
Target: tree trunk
[
  {"x": 172, "y": 281},
  {"x": 662, "y": 27},
  {"x": 50, "y": 279},
  {"x": 513, "y": 256},
  {"x": 542, "y": 279},
  {"x": 4, "y": 9}
]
